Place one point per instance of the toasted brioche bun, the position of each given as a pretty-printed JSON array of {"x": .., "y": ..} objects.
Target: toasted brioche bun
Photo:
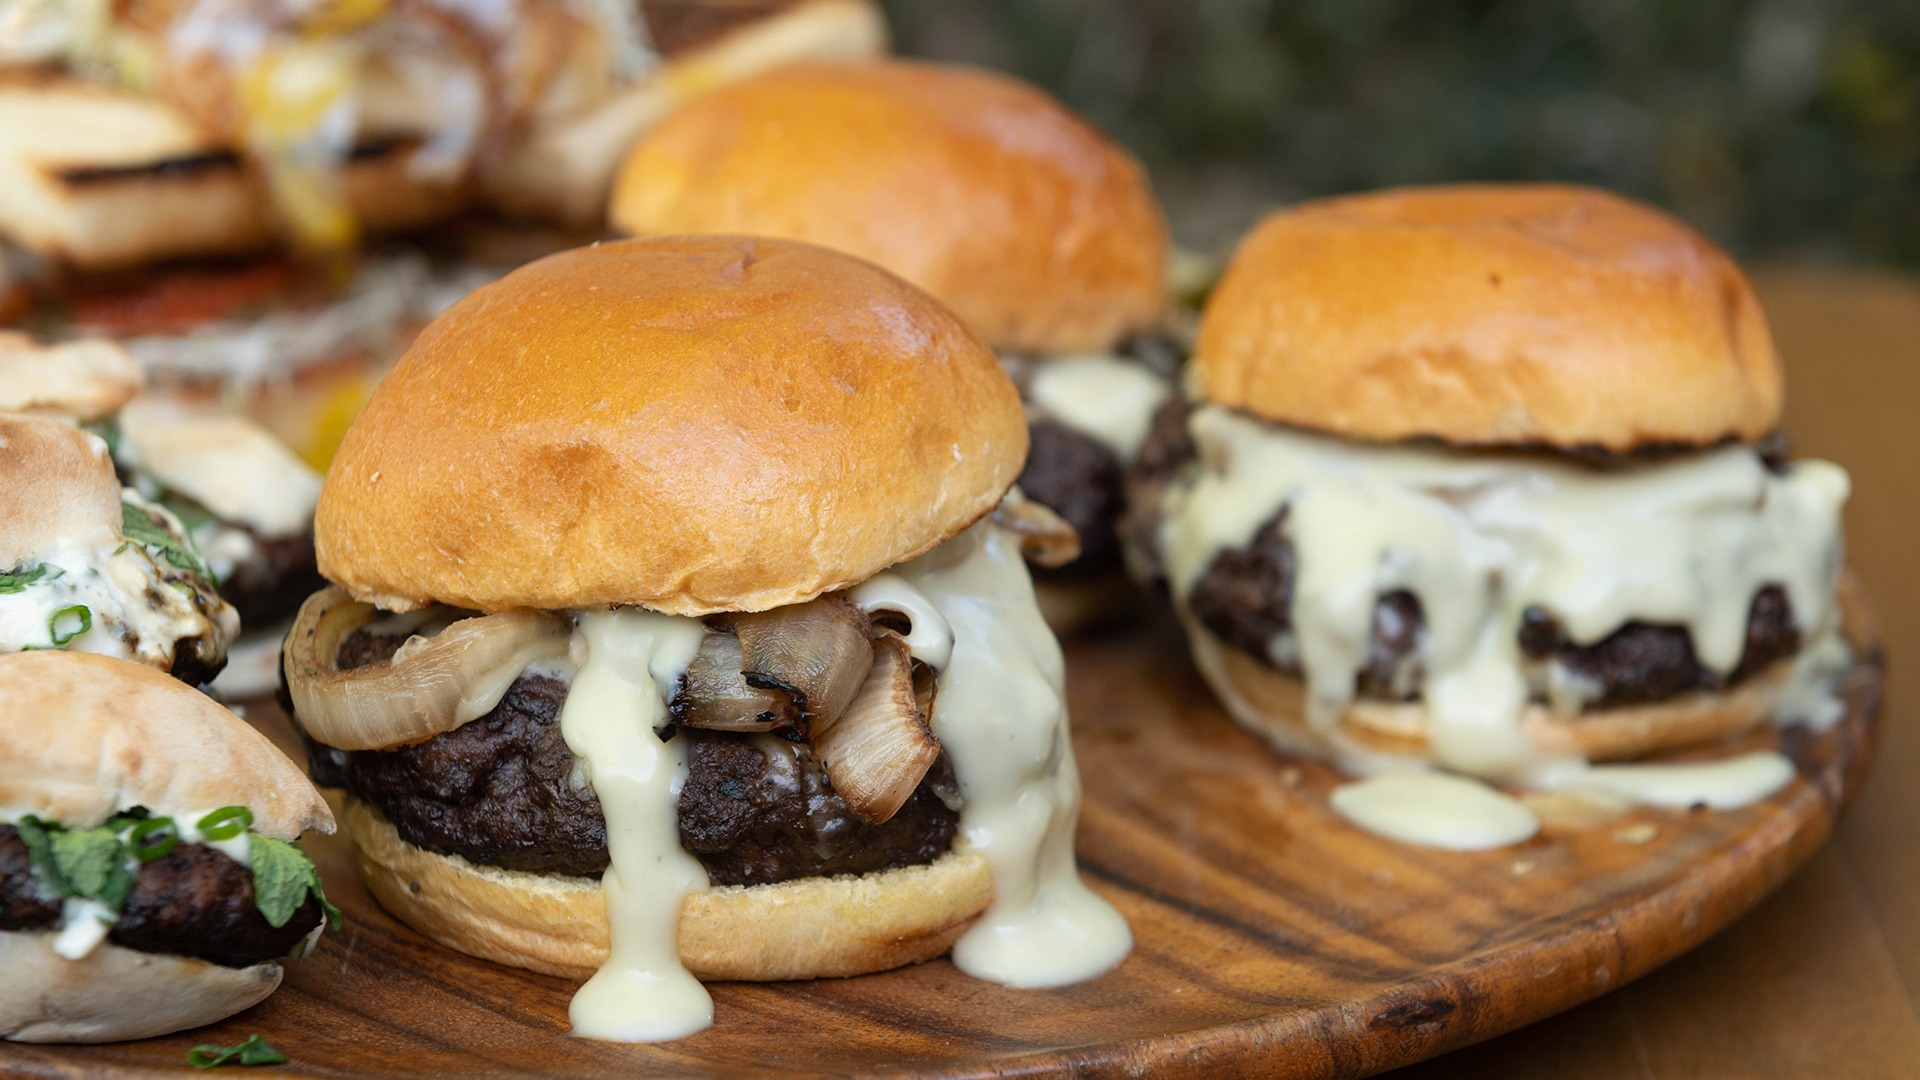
[
  {"x": 89, "y": 736},
  {"x": 804, "y": 929},
  {"x": 78, "y": 380},
  {"x": 1036, "y": 229},
  {"x": 57, "y": 484},
  {"x": 114, "y": 993},
  {"x": 693, "y": 425},
  {"x": 1272, "y": 704},
  {"x": 1490, "y": 315}
]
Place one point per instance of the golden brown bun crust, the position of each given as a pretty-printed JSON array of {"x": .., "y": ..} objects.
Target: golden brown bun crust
[
  {"x": 114, "y": 993},
  {"x": 1272, "y": 703},
  {"x": 1490, "y": 314},
  {"x": 693, "y": 424},
  {"x": 1039, "y": 231},
  {"x": 88, "y": 736},
  {"x": 805, "y": 929}
]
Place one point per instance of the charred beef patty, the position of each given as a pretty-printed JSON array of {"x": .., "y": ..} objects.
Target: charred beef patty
[
  {"x": 1080, "y": 480},
  {"x": 1246, "y": 598},
  {"x": 268, "y": 589},
  {"x": 193, "y": 902},
  {"x": 502, "y": 791}
]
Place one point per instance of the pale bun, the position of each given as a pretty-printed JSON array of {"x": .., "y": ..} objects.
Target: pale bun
[
  {"x": 89, "y": 736},
  {"x": 804, "y": 929},
  {"x": 113, "y": 993},
  {"x": 75, "y": 380},
  {"x": 1490, "y": 315},
  {"x": 1272, "y": 704},
  {"x": 693, "y": 425},
  {"x": 57, "y": 485},
  {"x": 1040, "y": 232}
]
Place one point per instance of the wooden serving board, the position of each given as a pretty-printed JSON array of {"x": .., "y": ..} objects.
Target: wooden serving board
[{"x": 1272, "y": 938}]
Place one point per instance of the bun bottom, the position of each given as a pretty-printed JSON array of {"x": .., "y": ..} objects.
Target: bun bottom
[
  {"x": 1272, "y": 704},
  {"x": 114, "y": 993},
  {"x": 550, "y": 923}
]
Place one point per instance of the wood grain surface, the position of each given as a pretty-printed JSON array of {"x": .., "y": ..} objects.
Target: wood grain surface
[{"x": 1273, "y": 939}]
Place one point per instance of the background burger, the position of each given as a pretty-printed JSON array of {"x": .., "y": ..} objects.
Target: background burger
[
  {"x": 1491, "y": 477},
  {"x": 148, "y": 877},
  {"x": 675, "y": 631},
  {"x": 1038, "y": 231}
]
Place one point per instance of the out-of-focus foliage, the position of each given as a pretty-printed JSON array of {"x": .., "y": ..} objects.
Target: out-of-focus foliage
[{"x": 1782, "y": 127}]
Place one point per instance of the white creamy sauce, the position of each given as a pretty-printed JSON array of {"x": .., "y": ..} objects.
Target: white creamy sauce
[
  {"x": 929, "y": 637},
  {"x": 1812, "y": 692},
  {"x": 1001, "y": 715},
  {"x": 1437, "y": 810},
  {"x": 1109, "y": 399},
  {"x": 228, "y": 464},
  {"x": 234, "y": 847},
  {"x": 1478, "y": 538},
  {"x": 1726, "y": 784},
  {"x": 84, "y": 924},
  {"x": 630, "y": 663}
]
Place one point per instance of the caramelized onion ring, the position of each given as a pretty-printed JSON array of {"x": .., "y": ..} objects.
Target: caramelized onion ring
[
  {"x": 817, "y": 651},
  {"x": 1045, "y": 537},
  {"x": 715, "y": 695},
  {"x": 876, "y": 753},
  {"x": 431, "y": 686}
]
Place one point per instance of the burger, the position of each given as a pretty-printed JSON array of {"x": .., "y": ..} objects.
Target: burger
[
  {"x": 248, "y": 190},
  {"x": 148, "y": 877},
  {"x": 681, "y": 630},
  {"x": 89, "y": 566},
  {"x": 1490, "y": 478},
  {"x": 244, "y": 500},
  {"x": 1039, "y": 232}
]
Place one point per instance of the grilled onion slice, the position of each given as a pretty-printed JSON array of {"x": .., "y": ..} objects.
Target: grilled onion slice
[
  {"x": 1045, "y": 537},
  {"x": 431, "y": 686},
  {"x": 715, "y": 695},
  {"x": 817, "y": 652},
  {"x": 877, "y": 751}
]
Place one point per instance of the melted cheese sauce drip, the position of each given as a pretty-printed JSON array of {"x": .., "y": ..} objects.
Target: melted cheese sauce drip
[
  {"x": 1001, "y": 714},
  {"x": 631, "y": 661},
  {"x": 1109, "y": 399},
  {"x": 1435, "y": 810},
  {"x": 1478, "y": 538}
]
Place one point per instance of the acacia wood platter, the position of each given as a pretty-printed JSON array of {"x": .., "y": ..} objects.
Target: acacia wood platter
[{"x": 1271, "y": 938}]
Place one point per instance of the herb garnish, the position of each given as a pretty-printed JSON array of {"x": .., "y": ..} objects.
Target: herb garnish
[
  {"x": 283, "y": 878},
  {"x": 139, "y": 526},
  {"x": 17, "y": 579},
  {"x": 69, "y": 623},
  {"x": 87, "y": 865},
  {"x": 254, "y": 1051}
]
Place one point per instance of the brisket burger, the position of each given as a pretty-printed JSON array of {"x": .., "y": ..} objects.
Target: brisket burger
[
  {"x": 1037, "y": 230},
  {"x": 1491, "y": 477},
  {"x": 681, "y": 630},
  {"x": 148, "y": 877}
]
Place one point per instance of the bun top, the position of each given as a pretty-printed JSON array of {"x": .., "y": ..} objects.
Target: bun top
[
  {"x": 78, "y": 380},
  {"x": 57, "y": 485},
  {"x": 1490, "y": 314},
  {"x": 89, "y": 736},
  {"x": 690, "y": 424},
  {"x": 1039, "y": 231}
]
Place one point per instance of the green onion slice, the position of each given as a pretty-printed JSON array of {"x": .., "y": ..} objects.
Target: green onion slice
[
  {"x": 69, "y": 623},
  {"x": 154, "y": 838},
  {"x": 225, "y": 823}
]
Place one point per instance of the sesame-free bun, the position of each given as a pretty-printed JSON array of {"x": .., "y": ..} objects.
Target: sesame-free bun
[
  {"x": 1490, "y": 315},
  {"x": 1038, "y": 230},
  {"x": 114, "y": 993},
  {"x": 75, "y": 380},
  {"x": 57, "y": 485},
  {"x": 692, "y": 424},
  {"x": 90, "y": 736},
  {"x": 803, "y": 929}
]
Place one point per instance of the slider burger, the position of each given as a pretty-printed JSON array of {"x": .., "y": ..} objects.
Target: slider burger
[
  {"x": 148, "y": 877},
  {"x": 1038, "y": 231},
  {"x": 245, "y": 501},
  {"x": 221, "y": 184},
  {"x": 1490, "y": 478},
  {"x": 89, "y": 566},
  {"x": 682, "y": 631}
]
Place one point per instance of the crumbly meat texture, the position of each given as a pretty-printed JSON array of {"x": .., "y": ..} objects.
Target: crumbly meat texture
[
  {"x": 1246, "y": 598},
  {"x": 268, "y": 589},
  {"x": 503, "y": 790},
  {"x": 1079, "y": 479},
  {"x": 193, "y": 902}
]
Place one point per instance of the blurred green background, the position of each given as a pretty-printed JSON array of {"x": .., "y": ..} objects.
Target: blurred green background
[{"x": 1785, "y": 128}]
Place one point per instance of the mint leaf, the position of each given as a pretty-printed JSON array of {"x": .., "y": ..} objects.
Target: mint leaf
[
  {"x": 140, "y": 527},
  {"x": 19, "y": 578},
  {"x": 283, "y": 877},
  {"x": 38, "y": 836},
  {"x": 254, "y": 1051},
  {"x": 94, "y": 865}
]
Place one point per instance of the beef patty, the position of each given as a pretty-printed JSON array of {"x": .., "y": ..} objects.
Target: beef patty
[
  {"x": 268, "y": 588},
  {"x": 194, "y": 901},
  {"x": 1245, "y": 598},
  {"x": 503, "y": 790}
]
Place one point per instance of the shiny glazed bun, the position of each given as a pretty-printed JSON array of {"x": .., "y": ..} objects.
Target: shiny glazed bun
[
  {"x": 1490, "y": 314},
  {"x": 801, "y": 929},
  {"x": 1036, "y": 229},
  {"x": 690, "y": 424}
]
